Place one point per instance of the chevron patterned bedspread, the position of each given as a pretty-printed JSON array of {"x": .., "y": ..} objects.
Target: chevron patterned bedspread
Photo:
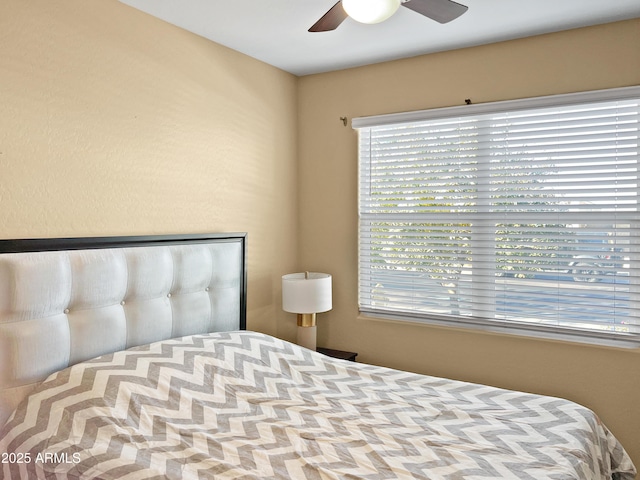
[{"x": 245, "y": 405}]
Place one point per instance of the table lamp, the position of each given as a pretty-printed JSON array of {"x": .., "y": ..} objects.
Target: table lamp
[{"x": 306, "y": 294}]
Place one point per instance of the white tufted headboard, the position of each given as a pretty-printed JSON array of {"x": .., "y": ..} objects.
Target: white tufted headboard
[{"x": 63, "y": 301}]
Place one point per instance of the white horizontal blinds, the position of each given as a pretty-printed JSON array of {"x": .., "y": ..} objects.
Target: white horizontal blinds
[
  {"x": 528, "y": 216},
  {"x": 417, "y": 191}
]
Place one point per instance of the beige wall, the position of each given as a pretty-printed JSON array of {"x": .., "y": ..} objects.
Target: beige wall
[
  {"x": 605, "y": 379},
  {"x": 113, "y": 122}
]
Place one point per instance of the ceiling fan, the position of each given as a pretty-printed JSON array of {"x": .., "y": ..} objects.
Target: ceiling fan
[{"x": 375, "y": 11}]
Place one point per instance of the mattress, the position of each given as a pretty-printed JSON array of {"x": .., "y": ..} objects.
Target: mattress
[{"x": 248, "y": 405}]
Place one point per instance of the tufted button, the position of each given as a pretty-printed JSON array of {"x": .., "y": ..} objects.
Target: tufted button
[
  {"x": 66, "y": 310},
  {"x": 168, "y": 295},
  {"x": 122, "y": 302},
  {"x": 207, "y": 289}
]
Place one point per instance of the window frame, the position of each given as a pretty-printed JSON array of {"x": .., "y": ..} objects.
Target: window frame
[{"x": 497, "y": 325}]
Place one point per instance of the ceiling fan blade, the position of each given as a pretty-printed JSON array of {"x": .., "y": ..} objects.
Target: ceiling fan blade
[
  {"x": 330, "y": 20},
  {"x": 441, "y": 11}
]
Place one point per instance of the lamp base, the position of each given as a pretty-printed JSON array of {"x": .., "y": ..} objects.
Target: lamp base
[{"x": 306, "y": 337}]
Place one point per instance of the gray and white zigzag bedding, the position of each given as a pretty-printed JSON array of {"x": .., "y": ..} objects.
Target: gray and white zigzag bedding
[{"x": 249, "y": 406}]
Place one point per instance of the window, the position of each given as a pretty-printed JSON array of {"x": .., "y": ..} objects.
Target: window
[{"x": 517, "y": 216}]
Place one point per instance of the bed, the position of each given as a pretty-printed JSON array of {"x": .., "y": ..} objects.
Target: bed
[{"x": 129, "y": 358}]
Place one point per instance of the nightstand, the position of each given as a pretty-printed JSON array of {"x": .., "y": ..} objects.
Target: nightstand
[{"x": 351, "y": 356}]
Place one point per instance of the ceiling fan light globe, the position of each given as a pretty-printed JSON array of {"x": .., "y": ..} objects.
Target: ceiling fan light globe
[{"x": 370, "y": 11}]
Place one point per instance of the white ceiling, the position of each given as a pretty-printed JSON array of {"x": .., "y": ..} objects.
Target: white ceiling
[{"x": 275, "y": 31}]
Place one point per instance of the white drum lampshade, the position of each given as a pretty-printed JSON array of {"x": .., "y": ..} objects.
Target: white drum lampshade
[{"x": 306, "y": 294}]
